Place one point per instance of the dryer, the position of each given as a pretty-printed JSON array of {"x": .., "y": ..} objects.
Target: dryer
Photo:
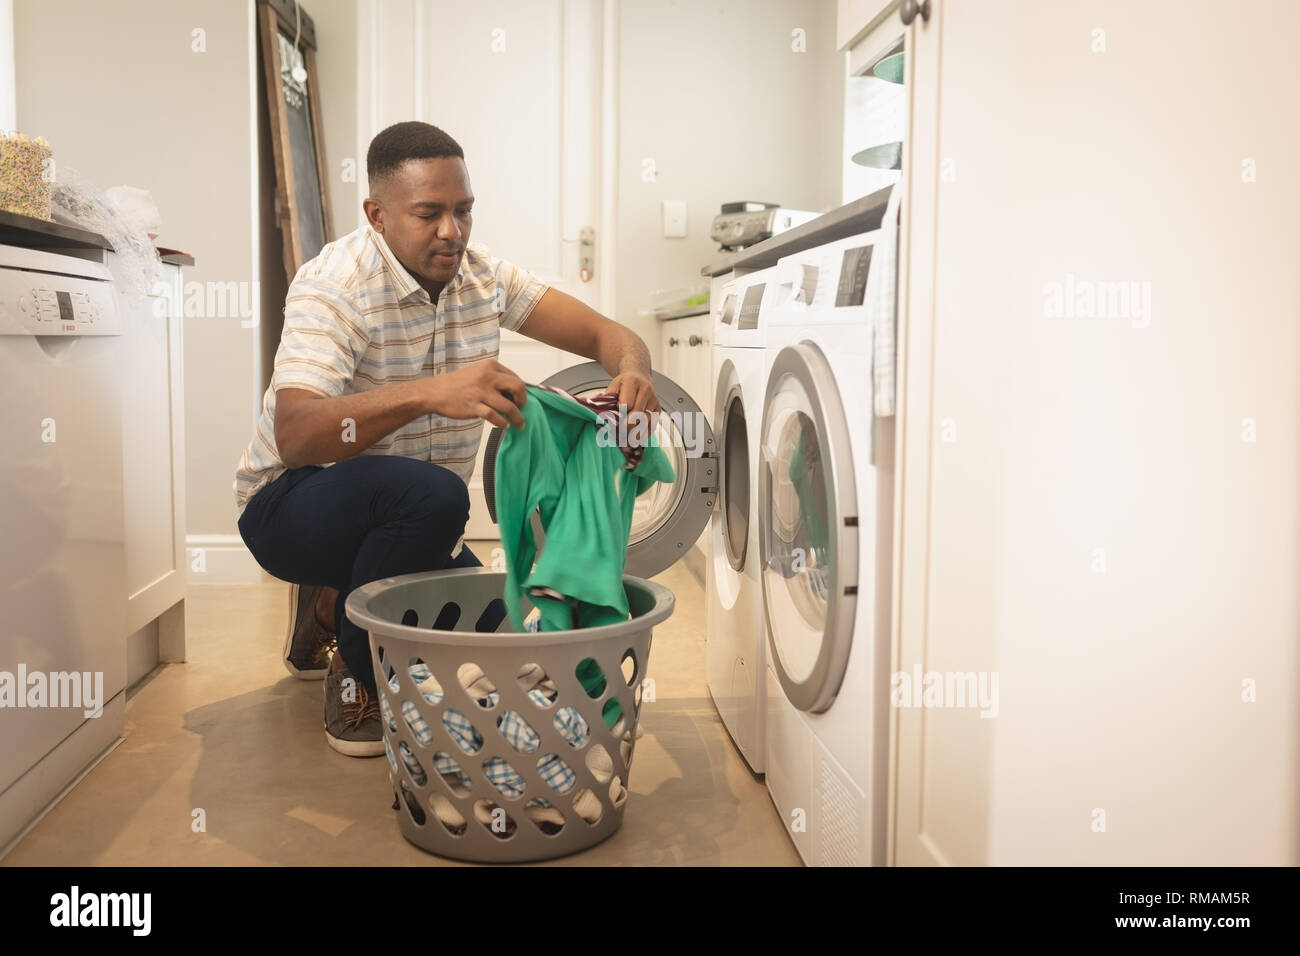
[
  {"x": 735, "y": 643},
  {"x": 825, "y": 603}
]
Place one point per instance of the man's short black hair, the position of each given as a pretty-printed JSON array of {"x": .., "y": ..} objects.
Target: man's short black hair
[{"x": 402, "y": 141}]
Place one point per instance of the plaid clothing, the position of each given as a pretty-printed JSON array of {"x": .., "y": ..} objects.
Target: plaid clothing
[
  {"x": 553, "y": 770},
  {"x": 356, "y": 319}
]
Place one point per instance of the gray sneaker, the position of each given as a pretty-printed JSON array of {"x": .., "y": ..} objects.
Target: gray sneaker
[
  {"x": 352, "y": 723},
  {"x": 307, "y": 645}
]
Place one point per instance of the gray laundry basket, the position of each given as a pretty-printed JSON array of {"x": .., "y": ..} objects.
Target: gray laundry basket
[{"x": 438, "y": 675}]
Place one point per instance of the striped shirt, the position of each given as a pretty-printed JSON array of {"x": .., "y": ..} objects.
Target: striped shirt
[{"x": 356, "y": 319}]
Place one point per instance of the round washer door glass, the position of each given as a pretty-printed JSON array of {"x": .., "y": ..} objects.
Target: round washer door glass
[
  {"x": 809, "y": 549},
  {"x": 735, "y": 480}
]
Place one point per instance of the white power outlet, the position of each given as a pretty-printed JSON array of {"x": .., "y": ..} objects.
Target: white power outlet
[{"x": 674, "y": 218}]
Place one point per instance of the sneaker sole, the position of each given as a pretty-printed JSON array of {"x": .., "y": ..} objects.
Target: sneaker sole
[
  {"x": 316, "y": 673},
  {"x": 356, "y": 748}
]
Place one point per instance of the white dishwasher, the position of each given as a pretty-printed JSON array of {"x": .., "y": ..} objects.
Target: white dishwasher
[{"x": 62, "y": 542}]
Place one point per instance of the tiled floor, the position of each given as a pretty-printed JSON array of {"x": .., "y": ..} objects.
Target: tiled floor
[{"x": 230, "y": 733}]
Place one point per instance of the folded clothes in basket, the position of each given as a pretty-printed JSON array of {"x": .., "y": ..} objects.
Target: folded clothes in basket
[{"x": 554, "y": 771}]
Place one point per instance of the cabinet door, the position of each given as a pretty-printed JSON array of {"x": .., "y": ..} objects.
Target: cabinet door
[
  {"x": 925, "y": 811},
  {"x": 154, "y": 451},
  {"x": 853, "y": 17},
  {"x": 1101, "y": 491}
]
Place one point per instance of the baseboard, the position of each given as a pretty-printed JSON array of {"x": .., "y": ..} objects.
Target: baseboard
[{"x": 221, "y": 559}]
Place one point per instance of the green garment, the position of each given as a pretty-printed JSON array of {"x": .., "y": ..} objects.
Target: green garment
[
  {"x": 809, "y": 484},
  {"x": 555, "y": 465}
]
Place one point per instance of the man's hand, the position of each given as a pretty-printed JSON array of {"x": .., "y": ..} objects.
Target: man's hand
[
  {"x": 486, "y": 390},
  {"x": 636, "y": 391}
]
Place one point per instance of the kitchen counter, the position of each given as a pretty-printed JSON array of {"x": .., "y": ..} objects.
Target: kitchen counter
[
  {"x": 861, "y": 215},
  {"x": 31, "y": 233},
  {"x": 682, "y": 312},
  {"x": 28, "y": 232}
]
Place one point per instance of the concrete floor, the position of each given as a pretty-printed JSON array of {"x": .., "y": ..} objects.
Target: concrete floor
[{"x": 230, "y": 733}]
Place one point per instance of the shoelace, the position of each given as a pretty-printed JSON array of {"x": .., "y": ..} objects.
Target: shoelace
[
  {"x": 365, "y": 707},
  {"x": 325, "y": 649}
]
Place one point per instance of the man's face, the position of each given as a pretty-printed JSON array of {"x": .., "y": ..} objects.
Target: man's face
[{"x": 424, "y": 213}]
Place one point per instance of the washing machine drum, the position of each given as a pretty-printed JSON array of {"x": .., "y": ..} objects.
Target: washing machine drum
[{"x": 668, "y": 518}]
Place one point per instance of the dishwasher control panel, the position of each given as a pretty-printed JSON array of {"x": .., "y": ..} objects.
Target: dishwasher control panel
[{"x": 37, "y": 303}]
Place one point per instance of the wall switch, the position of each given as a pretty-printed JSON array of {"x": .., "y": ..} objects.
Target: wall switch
[{"x": 674, "y": 218}]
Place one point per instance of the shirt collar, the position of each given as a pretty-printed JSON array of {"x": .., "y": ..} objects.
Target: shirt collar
[{"x": 407, "y": 284}]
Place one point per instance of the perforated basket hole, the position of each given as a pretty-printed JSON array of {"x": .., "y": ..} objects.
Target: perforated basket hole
[
  {"x": 504, "y": 777},
  {"x": 588, "y": 806},
  {"x": 492, "y": 616},
  {"x": 518, "y": 733},
  {"x": 533, "y": 681},
  {"x": 478, "y": 685},
  {"x": 612, "y": 714},
  {"x": 420, "y": 728},
  {"x": 410, "y": 618},
  {"x": 390, "y": 677},
  {"x": 572, "y": 726},
  {"x": 626, "y": 747},
  {"x": 555, "y": 773},
  {"x": 591, "y": 677},
  {"x": 392, "y": 761},
  {"x": 636, "y": 698},
  {"x": 412, "y": 764},
  {"x": 494, "y": 819},
  {"x": 413, "y": 805},
  {"x": 455, "y": 779},
  {"x": 447, "y": 617},
  {"x": 544, "y": 816},
  {"x": 599, "y": 763},
  {"x": 445, "y": 812},
  {"x": 424, "y": 680},
  {"x": 386, "y": 713},
  {"x": 628, "y": 667},
  {"x": 460, "y": 730},
  {"x": 617, "y": 792}
]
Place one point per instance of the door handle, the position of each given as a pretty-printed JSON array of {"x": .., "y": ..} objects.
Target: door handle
[
  {"x": 672, "y": 341},
  {"x": 694, "y": 340}
]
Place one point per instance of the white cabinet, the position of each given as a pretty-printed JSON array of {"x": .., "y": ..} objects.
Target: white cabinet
[
  {"x": 855, "y": 17},
  {"x": 1098, "y": 487},
  {"x": 153, "y": 465},
  {"x": 685, "y": 345}
]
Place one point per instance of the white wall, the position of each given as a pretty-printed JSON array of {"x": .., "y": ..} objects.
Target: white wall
[
  {"x": 713, "y": 94},
  {"x": 121, "y": 96}
]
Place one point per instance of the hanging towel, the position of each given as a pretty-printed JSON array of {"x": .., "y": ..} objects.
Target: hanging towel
[
  {"x": 585, "y": 497},
  {"x": 882, "y": 304}
]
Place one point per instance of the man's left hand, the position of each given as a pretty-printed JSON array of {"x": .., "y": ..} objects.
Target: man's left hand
[{"x": 636, "y": 391}]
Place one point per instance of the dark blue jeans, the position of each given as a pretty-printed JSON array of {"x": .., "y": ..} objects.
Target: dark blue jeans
[{"x": 359, "y": 520}]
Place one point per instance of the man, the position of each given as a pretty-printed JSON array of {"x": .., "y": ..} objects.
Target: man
[{"x": 385, "y": 372}]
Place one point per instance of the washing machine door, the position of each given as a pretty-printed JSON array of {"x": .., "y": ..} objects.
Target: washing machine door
[
  {"x": 733, "y": 465},
  {"x": 808, "y": 527},
  {"x": 668, "y": 519}
]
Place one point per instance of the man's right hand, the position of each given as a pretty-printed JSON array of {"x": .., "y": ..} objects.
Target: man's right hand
[{"x": 486, "y": 390}]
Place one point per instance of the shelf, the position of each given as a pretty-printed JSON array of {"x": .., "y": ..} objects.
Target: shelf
[{"x": 861, "y": 215}]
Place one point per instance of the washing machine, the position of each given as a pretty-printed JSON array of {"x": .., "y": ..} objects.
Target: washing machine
[
  {"x": 735, "y": 643},
  {"x": 824, "y": 560}
]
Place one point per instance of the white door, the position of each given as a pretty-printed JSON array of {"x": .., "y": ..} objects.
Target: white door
[{"x": 526, "y": 88}]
